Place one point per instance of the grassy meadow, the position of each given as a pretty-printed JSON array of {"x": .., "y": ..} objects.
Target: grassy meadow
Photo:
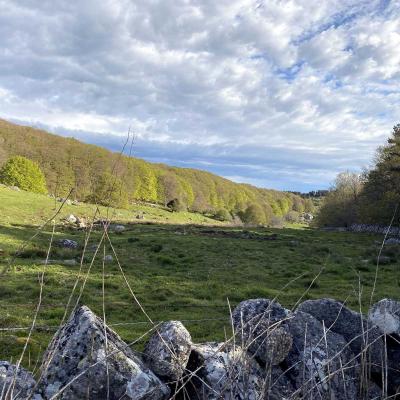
[{"x": 181, "y": 266}]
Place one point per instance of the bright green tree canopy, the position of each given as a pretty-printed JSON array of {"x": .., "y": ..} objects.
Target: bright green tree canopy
[{"x": 24, "y": 173}]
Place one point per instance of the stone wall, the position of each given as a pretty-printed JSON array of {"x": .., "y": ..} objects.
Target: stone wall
[{"x": 321, "y": 350}]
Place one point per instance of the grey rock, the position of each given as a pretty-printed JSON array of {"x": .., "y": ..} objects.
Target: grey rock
[
  {"x": 382, "y": 260},
  {"x": 224, "y": 373},
  {"x": 261, "y": 326},
  {"x": 362, "y": 335},
  {"x": 71, "y": 219},
  {"x": 89, "y": 360},
  {"x": 108, "y": 258},
  {"x": 315, "y": 362},
  {"x": 386, "y": 316},
  {"x": 15, "y": 188},
  {"x": 70, "y": 263},
  {"x": 392, "y": 241},
  {"x": 278, "y": 385},
  {"x": 67, "y": 243},
  {"x": 23, "y": 386},
  {"x": 168, "y": 350},
  {"x": 118, "y": 228}
]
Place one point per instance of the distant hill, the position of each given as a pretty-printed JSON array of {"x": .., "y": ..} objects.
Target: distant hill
[{"x": 68, "y": 163}]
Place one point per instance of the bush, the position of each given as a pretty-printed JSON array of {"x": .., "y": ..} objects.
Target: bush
[
  {"x": 292, "y": 216},
  {"x": 176, "y": 205},
  {"x": 223, "y": 215},
  {"x": 253, "y": 215},
  {"x": 24, "y": 173}
]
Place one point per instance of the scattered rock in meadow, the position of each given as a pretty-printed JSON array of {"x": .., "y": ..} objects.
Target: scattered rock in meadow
[
  {"x": 71, "y": 219},
  {"x": 109, "y": 258},
  {"x": 87, "y": 360},
  {"x": 261, "y": 326},
  {"x": 392, "y": 241},
  {"x": 118, "y": 228},
  {"x": 67, "y": 243},
  {"x": 168, "y": 350},
  {"x": 15, "y": 188},
  {"x": 224, "y": 373},
  {"x": 316, "y": 359},
  {"x": 23, "y": 386}
]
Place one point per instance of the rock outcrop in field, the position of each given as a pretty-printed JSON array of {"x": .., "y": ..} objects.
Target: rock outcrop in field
[{"x": 321, "y": 350}]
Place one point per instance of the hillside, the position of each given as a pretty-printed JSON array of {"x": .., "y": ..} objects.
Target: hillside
[{"x": 68, "y": 163}]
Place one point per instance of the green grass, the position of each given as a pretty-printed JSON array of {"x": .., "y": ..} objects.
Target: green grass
[{"x": 183, "y": 272}]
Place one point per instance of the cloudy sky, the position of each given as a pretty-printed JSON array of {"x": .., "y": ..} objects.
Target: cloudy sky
[{"x": 278, "y": 93}]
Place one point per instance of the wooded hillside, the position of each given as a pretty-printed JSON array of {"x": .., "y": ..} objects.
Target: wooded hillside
[{"x": 68, "y": 163}]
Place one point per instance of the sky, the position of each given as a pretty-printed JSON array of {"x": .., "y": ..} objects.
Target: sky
[{"x": 281, "y": 94}]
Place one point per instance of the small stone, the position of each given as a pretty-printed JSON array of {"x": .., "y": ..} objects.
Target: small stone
[
  {"x": 168, "y": 350},
  {"x": 108, "y": 258},
  {"x": 70, "y": 263},
  {"x": 67, "y": 243},
  {"x": 71, "y": 219},
  {"x": 118, "y": 228}
]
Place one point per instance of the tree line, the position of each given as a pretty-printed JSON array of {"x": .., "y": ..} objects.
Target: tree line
[
  {"x": 372, "y": 197},
  {"x": 108, "y": 178}
]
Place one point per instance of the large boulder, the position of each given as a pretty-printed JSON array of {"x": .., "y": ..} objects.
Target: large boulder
[
  {"x": 87, "y": 360},
  {"x": 16, "y": 384},
  {"x": 363, "y": 337},
  {"x": 386, "y": 316},
  {"x": 320, "y": 363},
  {"x": 168, "y": 350},
  {"x": 261, "y": 326},
  {"x": 223, "y": 372}
]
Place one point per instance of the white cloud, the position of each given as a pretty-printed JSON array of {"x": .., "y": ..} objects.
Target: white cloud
[{"x": 299, "y": 78}]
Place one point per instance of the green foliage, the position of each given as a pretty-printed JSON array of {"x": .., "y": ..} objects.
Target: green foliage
[
  {"x": 68, "y": 163},
  {"x": 223, "y": 215},
  {"x": 24, "y": 173},
  {"x": 176, "y": 205},
  {"x": 292, "y": 216},
  {"x": 340, "y": 206},
  {"x": 109, "y": 191},
  {"x": 254, "y": 215}
]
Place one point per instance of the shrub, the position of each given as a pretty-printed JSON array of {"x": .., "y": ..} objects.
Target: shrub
[
  {"x": 292, "y": 216},
  {"x": 176, "y": 205},
  {"x": 24, "y": 173},
  {"x": 223, "y": 215},
  {"x": 253, "y": 215}
]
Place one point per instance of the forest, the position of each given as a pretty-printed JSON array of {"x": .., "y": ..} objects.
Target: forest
[
  {"x": 108, "y": 178},
  {"x": 372, "y": 197}
]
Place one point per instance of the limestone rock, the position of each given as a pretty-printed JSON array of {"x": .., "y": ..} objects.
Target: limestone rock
[
  {"x": 168, "y": 350},
  {"x": 88, "y": 361},
  {"x": 261, "y": 326},
  {"x": 118, "y": 228},
  {"x": 386, "y": 316},
  {"x": 224, "y": 373},
  {"x": 108, "y": 258},
  {"x": 315, "y": 365},
  {"x": 24, "y": 383},
  {"x": 355, "y": 328},
  {"x": 71, "y": 219},
  {"x": 67, "y": 243}
]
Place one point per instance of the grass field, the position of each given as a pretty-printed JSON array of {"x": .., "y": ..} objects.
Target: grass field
[{"x": 177, "y": 271}]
